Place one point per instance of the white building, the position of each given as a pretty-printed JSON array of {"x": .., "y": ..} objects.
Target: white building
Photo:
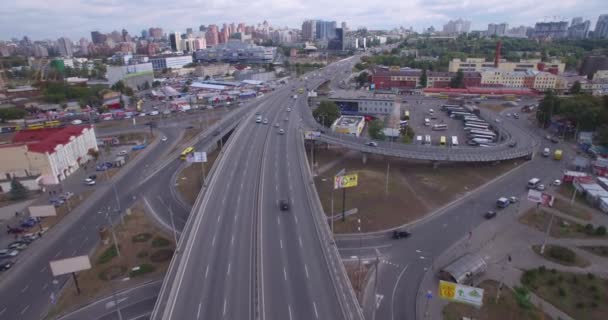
[
  {"x": 133, "y": 75},
  {"x": 352, "y": 125},
  {"x": 175, "y": 62}
]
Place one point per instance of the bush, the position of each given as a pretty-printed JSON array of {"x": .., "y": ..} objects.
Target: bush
[
  {"x": 542, "y": 269},
  {"x": 142, "y": 237},
  {"x": 596, "y": 297},
  {"x": 160, "y": 242},
  {"x": 143, "y": 269},
  {"x": 522, "y": 296},
  {"x": 142, "y": 254},
  {"x": 551, "y": 282},
  {"x": 589, "y": 229},
  {"x": 112, "y": 272},
  {"x": 528, "y": 277},
  {"x": 553, "y": 271},
  {"x": 574, "y": 279},
  {"x": 580, "y": 305},
  {"x": 561, "y": 292},
  {"x": 107, "y": 255},
  {"x": 560, "y": 278},
  {"x": 590, "y": 276},
  {"x": 561, "y": 254},
  {"x": 594, "y": 304},
  {"x": 161, "y": 255},
  {"x": 600, "y": 231}
]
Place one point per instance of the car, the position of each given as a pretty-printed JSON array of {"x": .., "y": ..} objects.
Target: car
[
  {"x": 540, "y": 187},
  {"x": 288, "y": 109},
  {"x": 372, "y": 144},
  {"x": 7, "y": 253},
  {"x": 5, "y": 265},
  {"x": 516, "y": 116},
  {"x": 216, "y": 132},
  {"x": 67, "y": 195},
  {"x": 548, "y": 137},
  {"x": 122, "y": 152},
  {"x": 265, "y": 121},
  {"x": 163, "y": 139},
  {"x": 513, "y": 144},
  {"x": 281, "y": 131},
  {"x": 508, "y": 114},
  {"x": 286, "y": 119},
  {"x": 89, "y": 182},
  {"x": 284, "y": 205},
  {"x": 76, "y": 122},
  {"x": 557, "y": 182},
  {"x": 513, "y": 199},
  {"x": 398, "y": 234},
  {"x": 554, "y": 139},
  {"x": 15, "y": 230},
  {"x": 17, "y": 245},
  {"x": 276, "y": 125},
  {"x": 92, "y": 177},
  {"x": 489, "y": 214}
]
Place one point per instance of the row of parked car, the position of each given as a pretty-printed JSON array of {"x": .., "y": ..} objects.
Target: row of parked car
[{"x": 15, "y": 247}]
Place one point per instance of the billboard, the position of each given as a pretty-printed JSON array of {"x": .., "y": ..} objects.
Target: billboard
[
  {"x": 540, "y": 197},
  {"x": 200, "y": 157},
  {"x": 69, "y": 265},
  {"x": 42, "y": 211},
  {"x": 460, "y": 293},
  {"x": 311, "y": 135},
  {"x": 346, "y": 181}
]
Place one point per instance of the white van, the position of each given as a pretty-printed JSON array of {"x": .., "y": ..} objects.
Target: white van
[
  {"x": 546, "y": 152},
  {"x": 533, "y": 183},
  {"x": 418, "y": 139},
  {"x": 427, "y": 122},
  {"x": 427, "y": 139}
]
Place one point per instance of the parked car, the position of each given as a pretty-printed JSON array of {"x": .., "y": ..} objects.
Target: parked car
[
  {"x": 490, "y": 214},
  {"x": 89, "y": 182},
  {"x": 540, "y": 187},
  {"x": 163, "y": 139},
  {"x": 5, "y": 265},
  {"x": 8, "y": 253},
  {"x": 17, "y": 245},
  {"x": 122, "y": 152},
  {"x": 554, "y": 139},
  {"x": 281, "y": 131},
  {"x": 11, "y": 230},
  {"x": 557, "y": 182},
  {"x": 67, "y": 195},
  {"x": 28, "y": 222},
  {"x": 92, "y": 177},
  {"x": 513, "y": 199},
  {"x": 398, "y": 234},
  {"x": 276, "y": 125},
  {"x": 512, "y": 144},
  {"x": 372, "y": 144}
]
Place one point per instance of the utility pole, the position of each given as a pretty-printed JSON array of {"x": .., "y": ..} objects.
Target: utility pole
[
  {"x": 388, "y": 168},
  {"x": 112, "y": 231}
]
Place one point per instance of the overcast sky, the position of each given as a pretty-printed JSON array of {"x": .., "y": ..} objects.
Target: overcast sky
[{"x": 41, "y": 19}]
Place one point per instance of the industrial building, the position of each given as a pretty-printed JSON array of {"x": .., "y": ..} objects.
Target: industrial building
[
  {"x": 237, "y": 51},
  {"x": 363, "y": 102},
  {"x": 173, "y": 62},
  {"x": 477, "y": 64},
  {"x": 352, "y": 125}
]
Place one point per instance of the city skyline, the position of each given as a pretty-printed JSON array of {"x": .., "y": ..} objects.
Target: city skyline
[{"x": 76, "y": 18}]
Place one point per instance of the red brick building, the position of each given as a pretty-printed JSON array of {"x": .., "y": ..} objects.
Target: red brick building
[{"x": 385, "y": 78}]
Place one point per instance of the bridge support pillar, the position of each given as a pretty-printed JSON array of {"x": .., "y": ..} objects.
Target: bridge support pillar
[
  {"x": 364, "y": 158},
  {"x": 435, "y": 164}
]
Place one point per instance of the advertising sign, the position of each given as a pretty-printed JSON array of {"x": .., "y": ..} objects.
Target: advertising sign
[
  {"x": 345, "y": 181},
  {"x": 200, "y": 157},
  {"x": 540, "y": 197},
  {"x": 42, "y": 211},
  {"x": 311, "y": 135},
  {"x": 69, "y": 265},
  {"x": 460, "y": 293}
]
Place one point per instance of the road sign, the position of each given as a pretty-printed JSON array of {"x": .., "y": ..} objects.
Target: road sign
[
  {"x": 200, "y": 157},
  {"x": 429, "y": 295},
  {"x": 311, "y": 135},
  {"x": 460, "y": 293},
  {"x": 540, "y": 197},
  {"x": 345, "y": 181}
]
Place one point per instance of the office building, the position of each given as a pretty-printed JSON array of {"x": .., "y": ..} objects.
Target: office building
[
  {"x": 344, "y": 26},
  {"x": 517, "y": 32},
  {"x": 64, "y": 45},
  {"x": 52, "y": 153},
  {"x": 173, "y": 62},
  {"x": 144, "y": 34},
  {"x": 531, "y": 79},
  {"x": 309, "y": 30},
  {"x": 351, "y": 125},
  {"x": 337, "y": 43},
  {"x": 363, "y": 102},
  {"x": 237, "y": 51},
  {"x": 592, "y": 64},
  {"x": 601, "y": 27},
  {"x": 98, "y": 37},
  {"x": 211, "y": 36},
  {"x": 477, "y": 64},
  {"x": 175, "y": 38},
  {"x": 325, "y": 30},
  {"x": 579, "y": 29},
  {"x": 550, "y": 30},
  {"x": 84, "y": 46},
  {"x": 457, "y": 27},
  {"x": 499, "y": 29},
  {"x": 155, "y": 33},
  {"x": 385, "y": 78}
]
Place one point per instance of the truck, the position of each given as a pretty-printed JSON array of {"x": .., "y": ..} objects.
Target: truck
[{"x": 557, "y": 155}]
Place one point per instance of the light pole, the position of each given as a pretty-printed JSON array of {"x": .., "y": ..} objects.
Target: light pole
[
  {"x": 170, "y": 209},
  {"x": 112, "y": 231}
]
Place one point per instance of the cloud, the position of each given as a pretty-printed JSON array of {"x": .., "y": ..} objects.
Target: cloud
[{"x": 76, "y": 18}]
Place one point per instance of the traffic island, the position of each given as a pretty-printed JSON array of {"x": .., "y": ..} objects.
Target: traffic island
[
  {"x": 561, "y": 255},
  {"x": 580, "y": 295},
  {"x": 190, "y": 179},
  {"x": 511, "y": 304},
  {"x": 142, "y": 255},
  {"x": 601, "y": 251}
]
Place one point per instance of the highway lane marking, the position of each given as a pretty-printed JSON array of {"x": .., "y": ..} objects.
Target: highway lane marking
[
  {"x": 206, "y": 271},
  {"x": 395, "y": 290},
  {"x": 314, "y": 304},
  {"x": 224, "y": 307},
  {"x": 25, "y": 309},
  {"x": 219, "y": 217},
  {"x": 232, "y": 241},
  {"x": 281, "y": 242},
  {"x": 2, "y": 311},
  {"x": 296, "y": 217},
  {"x": 279, "y": 220},
  {"x": 306, "y": 270},
  {"x": 43, "y": 269},
  {"x": 57, "y": 254},
  {"x": 213, "y": 242},
  {"x": 25, "y": 288},
  {"x": 228, "y": 272},
  {"x": 46, "y": 285},
  {"x": 284, "y": 273},
  {"x": 300, "y": 241},
  {"x": 290, "y": 316},
  {"x": 198, "y": 313}
]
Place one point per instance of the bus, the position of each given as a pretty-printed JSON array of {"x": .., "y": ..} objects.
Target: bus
[
  {"x": 445, "y": 107},
  {"x": 442, "y": 141},
  {"x": 485, "y": 132},
  {"x": 454, "y": 141},
  {"x": 440, "y": 127},
  {"x": 52, "y": 124},
  {"x": 186, "y": 152},
  {"x": 35, "y": 126},
  {"x": 454, "y": 109},
  {"x": 459, "y": 115},
  {"x": 473, "y": 119},
  {"x": 482, "y": 136},
  {"x": 403, "y": 123},
  {"x": 472, "y": 126},
  {"x": 406, "y": 115},
  {"x": 476, "y": 121}
]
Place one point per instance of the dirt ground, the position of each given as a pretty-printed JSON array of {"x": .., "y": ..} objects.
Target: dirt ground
[
  {"x": 132, "y": 254},
  {"x": 414, "y": 188},
  {"x": 357, "y": 273},
  {"x": 189, "y": 180},
  {"x": 506, "y": 308}
]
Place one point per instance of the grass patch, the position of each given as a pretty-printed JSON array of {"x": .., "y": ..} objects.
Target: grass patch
[
  {"x": 512, "y": 304},
  {"x": 561, "y": 228},
  {"x": 160, "y": 242},
  {"x": 571, "y": 210},
  {"x": 143, "y": 269},
  {"x": 189, "y": 180},
  {"x": 107, "y": 255},
  {"x": 562, "y": 255},
  {"x": 142, "y": 237},
  {"x": 161, "y": 255},
  {"x": 601, "y": 251},
  {"x": 582, "y": 296}
]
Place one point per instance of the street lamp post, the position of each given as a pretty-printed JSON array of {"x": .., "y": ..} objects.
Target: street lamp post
[{"x": 112, "y": 231}]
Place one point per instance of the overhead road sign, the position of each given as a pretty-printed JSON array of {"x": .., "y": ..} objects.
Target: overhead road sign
[
  {"x": 346, "y": 181},
  {"x": 460, "y": 293}
]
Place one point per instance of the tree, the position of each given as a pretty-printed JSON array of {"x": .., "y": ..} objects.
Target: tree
[
  {"x": 93, "y": 153},
  {"x": 18, "y": 191},
  {"x": 458, "y": 80},
  {"x": 362, "y": 78},
  {"x": 576, "y": 87},
  {"x": 374, "y": 130},
  {"x": 423, "y": 79},
  {"x": 326, "y": 113},
  {"x": 11, "y": 114},
  {"x": 547, "y": 108},
  {"x": 119, "y": 86},
  {"x": 155, "y": 84},
  {"x": 129, "y": 91}
]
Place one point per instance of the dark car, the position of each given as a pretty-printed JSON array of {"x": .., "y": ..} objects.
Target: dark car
[
  {"x": 5, "y": 265},
  {"x": 93, "y": 177},
  {"x": 512, "y": 144},
  {"x": 398, "y": 234},
  {"x": 554, "y": 139},
  {"x": 284, "y": 205},
  {"x": 490, "y": 214}
]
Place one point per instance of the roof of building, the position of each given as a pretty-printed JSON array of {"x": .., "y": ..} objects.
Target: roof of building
[
  {"x": 198, "y": 85},
  {"x": 47, "y": 139},
  {"x": 346, "y": 121},
  {"x": 483, "y": 91},
  {"x": 360, "y": 95}
]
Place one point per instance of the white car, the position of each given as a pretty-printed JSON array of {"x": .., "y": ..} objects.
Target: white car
[
  {"x": 288, "y": 109},
  {"x": 276, "y": 125},
  {"x": 89, "y": 182},
  {"x": 265, "y": 121},
  {"x": 540, "y": 187},
  {"x": 281, "y": 131},
  {"x": 4, "y": 253},
  {"x": 372, "y": 144},
  {"x": 557, "y": 182},
  {"x": 76, "y": 122},
  {"x": 122, "y": 152},
  {"x": 163, "y": 139}
]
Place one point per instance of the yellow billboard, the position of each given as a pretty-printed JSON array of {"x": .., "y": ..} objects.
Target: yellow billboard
[
  {"x": 346, "y": 181},
  {"x": 461, "y": 293}
]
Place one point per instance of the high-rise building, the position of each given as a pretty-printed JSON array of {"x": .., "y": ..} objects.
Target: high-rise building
[
  {"x": 498, "y": 29},
  {"x": 337, "y": 43},
  {"x": 232, "y": 28},
  {"x": 65, "y": 47},
  {"x": 156, "y": 33},
  {"x": 200, "y": 44},
  {"x": 225, "y": 34},
  {"x": 552, "y": 30},
  {"x": 309, "y": 30},
  {"x": 344, "y": 26},
  {"x": 601, "y": 27},
  {"x": 84, "y": 46},
  {"x": 125, "y": 35},
  {"x": 189, "y": 32},
  {"x": 175, "y": 38},
  {"x": 144, "y": 34},
  {"x": 240, "y": 28},
  {"x": 40, "y": 51},
  {"x": 98, "y": 37},
  {"x": 202, "y": 28},
  {"x": 579, "y": 29},
  {"x": 457, "y": 26},
  {"x": 325, "y": 30},
  {"x": 212, "y": 36}
]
